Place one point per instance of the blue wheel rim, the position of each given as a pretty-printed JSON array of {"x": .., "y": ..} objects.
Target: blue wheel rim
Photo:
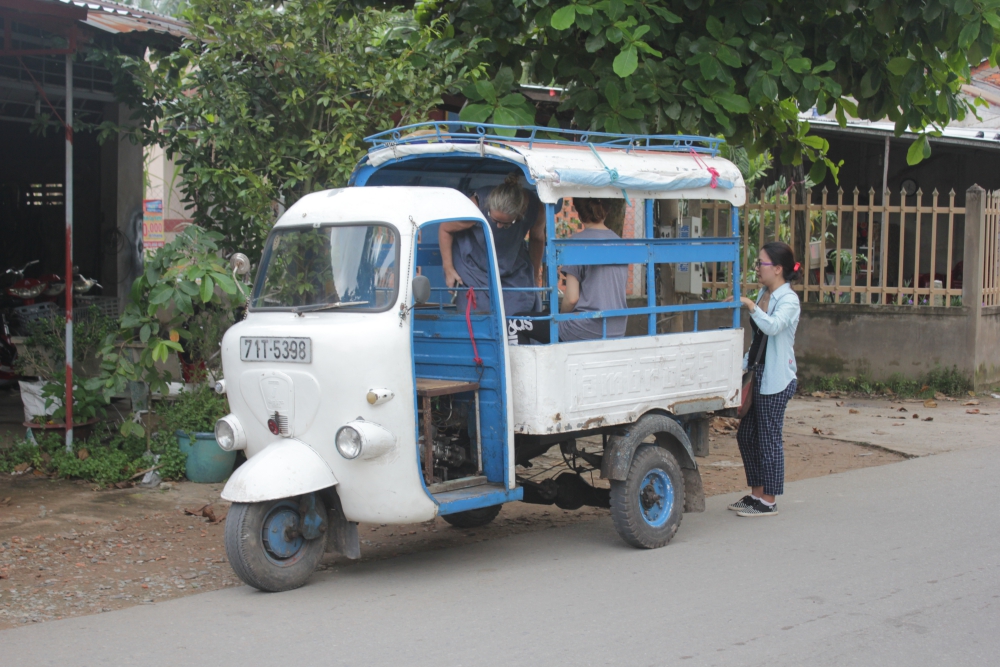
[
  {"x": 656, "y": 497},
  {"x": 280, "y": 534}
]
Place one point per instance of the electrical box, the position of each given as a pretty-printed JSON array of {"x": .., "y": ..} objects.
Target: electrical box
[{"x": 688, "y": 277}]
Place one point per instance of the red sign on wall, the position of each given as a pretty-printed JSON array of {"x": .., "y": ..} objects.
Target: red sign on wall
[{"x": 152, "y": 224}]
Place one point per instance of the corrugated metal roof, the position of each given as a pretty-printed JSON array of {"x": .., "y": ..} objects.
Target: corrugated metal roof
[{"x": 115, "y": 18}]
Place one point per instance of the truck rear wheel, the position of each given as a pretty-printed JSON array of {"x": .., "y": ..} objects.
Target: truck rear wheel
[
  {"x": 265, "y": 548},
  {"x": 647, "y": 507},
  {"x": 473, "y": 518}
]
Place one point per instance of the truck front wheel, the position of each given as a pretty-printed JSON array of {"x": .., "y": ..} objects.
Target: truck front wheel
[
  {"x": 266, "y": 548},
  {"x": 648, "y": 505}
]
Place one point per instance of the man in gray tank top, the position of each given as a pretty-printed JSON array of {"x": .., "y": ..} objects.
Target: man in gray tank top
[{"x": 512, "y": 213}]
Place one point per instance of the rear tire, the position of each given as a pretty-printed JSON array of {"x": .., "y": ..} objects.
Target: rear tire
[
  {"x": 647, "y": 507},
  {"x": 260, "y": 550},
  {"x": 473, "y": 518}
]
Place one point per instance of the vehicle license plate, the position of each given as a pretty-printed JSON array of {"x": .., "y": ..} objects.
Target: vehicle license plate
[{"x": 298, "y": 350}]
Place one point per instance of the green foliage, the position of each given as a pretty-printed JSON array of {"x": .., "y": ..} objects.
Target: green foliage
[
  {"x": 947, "y": 381},
  {"x": 194, "y": 411},
  {"x": 43, "y": 352},
  {"x": 741, "y": 68},
  {"x": 268, "y": 101},
  {"x": 104, "y": 463},
  {"x": 187, "y": 292},
  {"x": 87, "y": 403},
  {"x": 493, "y": 102}
]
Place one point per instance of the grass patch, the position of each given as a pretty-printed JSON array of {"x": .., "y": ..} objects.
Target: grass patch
[
  {"x": 947, "y": 381},
  {"x": 111, "y": 459},
  {"x": 102, "y": 461}
]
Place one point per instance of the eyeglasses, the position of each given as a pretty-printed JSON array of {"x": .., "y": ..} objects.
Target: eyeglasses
[
  {"x": 498, "y": 223},
  {"x": 759, "y": 264}
]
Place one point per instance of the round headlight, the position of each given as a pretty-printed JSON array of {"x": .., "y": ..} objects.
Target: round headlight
[
  {"x": 224, "y": 435},
  {"x": 229, "y": 434},
  {"x": 348, "y": 442}
]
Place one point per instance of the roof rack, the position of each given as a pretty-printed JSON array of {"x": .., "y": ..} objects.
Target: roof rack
[{"x": 462, "y": 132}]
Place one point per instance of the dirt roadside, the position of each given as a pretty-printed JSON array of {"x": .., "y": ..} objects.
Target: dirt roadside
[{"x": 68, "y": 550}]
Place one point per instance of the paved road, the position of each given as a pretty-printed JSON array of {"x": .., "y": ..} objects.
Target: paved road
[{"x": 895, "y": 565}]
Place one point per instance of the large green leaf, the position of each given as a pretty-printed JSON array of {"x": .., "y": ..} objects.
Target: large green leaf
[
  {"x": 476, "y": 113},
  {"x": 626, "y": 62},
  {"x": 732, "y": 102},
  {"x": 563, "y": 18},
  {"x": 505, "y": 116},
  {"x": 899, "y": 66},
  {"x": 969, "y": 34},
  {"x": 919, "y": 150},
  {"x": 487, "y": 91},
  {"x": 207, "y": 289}
]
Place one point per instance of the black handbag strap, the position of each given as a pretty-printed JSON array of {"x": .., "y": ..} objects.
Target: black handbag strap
[
  {"x": 763, "y": 342},
  {"x": 760, "y": 348}
]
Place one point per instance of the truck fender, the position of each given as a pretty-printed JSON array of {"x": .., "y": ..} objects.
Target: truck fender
[
  {"x": 671, "y": 436},
  {"x": 284, "y": 469}
]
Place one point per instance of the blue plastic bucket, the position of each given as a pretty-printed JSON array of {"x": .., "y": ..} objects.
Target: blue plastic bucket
[{"x": 207, "y": 463}]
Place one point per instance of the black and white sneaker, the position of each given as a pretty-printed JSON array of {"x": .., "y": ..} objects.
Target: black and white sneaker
[
  {"x": 758, "y": 508},
  {"x": 743, "y": 503}
]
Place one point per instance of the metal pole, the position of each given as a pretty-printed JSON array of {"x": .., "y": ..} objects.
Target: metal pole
[
  {"x": 650, "y": 270},
  {"x": 736, "y": 266},
  {"x": 885, "y": 168},
  {"x": 68, "y": 204},
  {"x": 552, "y": 270}
]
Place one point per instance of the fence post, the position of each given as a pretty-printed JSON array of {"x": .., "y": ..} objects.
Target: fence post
[{"x": 972, "y": 263}]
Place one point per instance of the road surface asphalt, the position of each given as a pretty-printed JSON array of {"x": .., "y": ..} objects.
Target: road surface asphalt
[{"x": 894, "y": 565}]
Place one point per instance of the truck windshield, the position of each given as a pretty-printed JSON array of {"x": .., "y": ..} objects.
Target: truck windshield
[{"x": 329, "y": 267}]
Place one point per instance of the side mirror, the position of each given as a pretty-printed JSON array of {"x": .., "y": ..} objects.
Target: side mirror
[
  {"x": 421, "y": 289},
  {"x": 240, "y": 263}
]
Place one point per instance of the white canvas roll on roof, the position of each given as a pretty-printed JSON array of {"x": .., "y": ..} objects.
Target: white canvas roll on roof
[{"x": 585, "y": 170}]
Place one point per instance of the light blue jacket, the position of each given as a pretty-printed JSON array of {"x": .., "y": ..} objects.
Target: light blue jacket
[{"x": 779, "y": 324}]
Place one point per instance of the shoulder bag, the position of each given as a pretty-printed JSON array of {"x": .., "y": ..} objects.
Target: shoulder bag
[{"x": 747, "y": 395}]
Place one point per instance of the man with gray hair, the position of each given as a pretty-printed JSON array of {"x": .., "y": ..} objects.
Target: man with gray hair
[{"x": 512, "y": 213}]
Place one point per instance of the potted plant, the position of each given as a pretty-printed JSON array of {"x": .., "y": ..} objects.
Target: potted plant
[
  {"x": 42, "y": 355},
  {"x": 88, "y": 409},
  {"x": 182, "y": 303},
  {"x": 190, "y": 418}
]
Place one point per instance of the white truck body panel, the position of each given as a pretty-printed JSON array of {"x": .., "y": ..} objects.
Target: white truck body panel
[{"x": 587, "y": 384}]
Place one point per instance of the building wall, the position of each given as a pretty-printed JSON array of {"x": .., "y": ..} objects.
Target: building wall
[
  {"x": 988, "y": 348},
  {"x": 880, "y": 341},
  {"x": 163, "y": 182},
  {"x": 128, "y": 210}
]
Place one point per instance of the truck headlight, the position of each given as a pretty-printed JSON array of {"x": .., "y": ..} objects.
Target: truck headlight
[
  {"x": 365, "y": 439},
  {"x": 229, "y": 433},
  {"x": 348, "y": 442}
]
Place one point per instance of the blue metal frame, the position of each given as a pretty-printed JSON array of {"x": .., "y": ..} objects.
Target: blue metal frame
[
  {"x": 462, "y": 132},
  {"x": 648, "y": 250},
  {"x": 490, "y": 420}
]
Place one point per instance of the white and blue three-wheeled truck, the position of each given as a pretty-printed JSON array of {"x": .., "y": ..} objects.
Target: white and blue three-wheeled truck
[{"x": 361, "y": 393}]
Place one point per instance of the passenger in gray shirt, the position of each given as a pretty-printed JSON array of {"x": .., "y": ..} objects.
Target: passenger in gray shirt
[
  {"x": 593, "y": 288},
  {"x": 512, "y": 213}
]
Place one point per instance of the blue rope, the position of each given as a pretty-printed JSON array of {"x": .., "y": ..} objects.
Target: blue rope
[{"x": 613, "y": 173}]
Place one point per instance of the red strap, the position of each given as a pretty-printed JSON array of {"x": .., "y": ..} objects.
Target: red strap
[
  {"x": 470, "y": 303},
  {"x": 711, "y": 170}
]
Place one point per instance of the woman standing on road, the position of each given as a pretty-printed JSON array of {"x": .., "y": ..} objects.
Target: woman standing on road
[{"x": 773, "y": 320}]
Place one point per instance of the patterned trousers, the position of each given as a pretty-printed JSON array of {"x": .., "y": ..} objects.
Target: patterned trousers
[{"x": 759, "y": 438}]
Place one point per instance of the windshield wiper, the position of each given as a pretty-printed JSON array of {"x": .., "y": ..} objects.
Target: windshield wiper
[{"x": 331, "y": 306}]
